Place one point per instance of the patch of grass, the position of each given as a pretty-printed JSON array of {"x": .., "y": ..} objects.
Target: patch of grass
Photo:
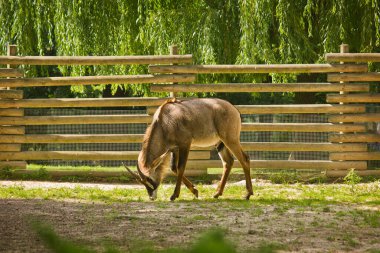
[
  {"x": 257, "y": 211},
  {"x": 6, "y": 173},
  {"x": 283, "y": 196},
  {"x": 38, "y": 174},
  {"x": 350, "y": 241},
  {"x": 371, "y": 218},
  {"x": 269, "y": 247},
  {"x": 284, "y": 177},
  {"x": 352, "y": 179}
]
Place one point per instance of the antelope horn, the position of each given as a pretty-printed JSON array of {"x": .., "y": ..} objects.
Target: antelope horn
[
  {"x": 141, "y": 178},
  {"x": 144, "y": 179},
  {"x": 135, "y": 175}
]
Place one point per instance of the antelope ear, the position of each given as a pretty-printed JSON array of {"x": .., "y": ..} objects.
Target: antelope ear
[{"x": 159, "y": 160}]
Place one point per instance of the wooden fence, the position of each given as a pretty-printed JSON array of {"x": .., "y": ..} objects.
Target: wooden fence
[{"x": 347, "y": 87}]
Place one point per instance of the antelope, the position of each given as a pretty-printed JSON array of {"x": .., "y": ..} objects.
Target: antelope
[{"x": 177, "y": 126}]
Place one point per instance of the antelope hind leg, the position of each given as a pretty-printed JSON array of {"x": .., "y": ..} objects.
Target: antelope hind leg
[
  {"x": 244, "y": 160},
  {"x": 228, "y": 160}
]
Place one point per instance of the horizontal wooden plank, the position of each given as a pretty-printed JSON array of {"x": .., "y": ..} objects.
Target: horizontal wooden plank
[
  {"x": 354, "y": 77},
  {"x": 69, "y": 155},
  {"x": 82, "y": 119},
  {"x": 93, "y": 80},
  {"x": 261, "y": 87},
  {"x": 365, "y": 137},
  {"x": 299, "y": 146},
  {"x": 72, "y": 138},
  {"x": 10, "y": 72},
  {"x": 290, "y": 109},
  {"x": 82, "y": 102},
  {"x": 299, "y": 108},
  {"x": 343, "y": 173},
  {"x": 12, "y": 130},
  {"x": 284, "y": 164},
  {"x": 11, "y": 94},
  {"x": 66, "y": 173},
  {"x": 155, "y": 102},
  {"x": 259, "y": 68},
  {"x": 13, "y": 165},
  {"x": 365, "y": 117},
  {"x": 9, "y": 147},
  {"x": 95, "y": 60},
  {"x": 303, "y": 127},
  {"x": 355, "y": 156},
  {"x": 11, "y": 112},
  {"x": 85, "y": 155},
  {"x": 353, "y": 98},
  {"x": 353, "y": 57},
  {"x": 137, "y": 138},
  {"x": 151, "y": 110}
]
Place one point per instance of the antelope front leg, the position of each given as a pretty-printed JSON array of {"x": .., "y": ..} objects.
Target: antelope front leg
[
  {"x": 182, "y": 159},
  {"x": 174, "y": 168}
]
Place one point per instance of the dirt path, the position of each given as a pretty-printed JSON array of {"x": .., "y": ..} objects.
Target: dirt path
[{"x": 165, "y": 224}]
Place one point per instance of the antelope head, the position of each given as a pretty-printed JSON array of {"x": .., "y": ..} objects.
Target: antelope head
[{"x": 150, "y": 177}]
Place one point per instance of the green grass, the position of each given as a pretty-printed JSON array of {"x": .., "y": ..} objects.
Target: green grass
[
  {"x": 332, "y": 204},
  {"x": 298, "y": 194},
  {"x": 86, "y": 174}
]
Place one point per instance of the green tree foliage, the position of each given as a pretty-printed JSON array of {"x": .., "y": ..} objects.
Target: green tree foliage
[{"x": 214, "y": 31}]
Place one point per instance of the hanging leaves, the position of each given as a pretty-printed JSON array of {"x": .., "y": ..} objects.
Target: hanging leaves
[{"x": 214, "y": 31}]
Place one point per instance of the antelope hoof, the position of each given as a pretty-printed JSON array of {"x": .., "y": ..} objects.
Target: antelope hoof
[
  {"x": 216, "y": 195},
  {"x": 173, "y": 197},
  {"x": 248, "y": 195},
  {"x": 195, "y": 192}
]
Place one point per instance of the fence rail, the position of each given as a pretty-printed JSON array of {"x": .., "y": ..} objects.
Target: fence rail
[
  {"x": 67, "y": 120},
  {"x": 262, "y": 68},
  {"x": 302, "y": 127},
  {"x": 95, "y": 60},
  {"x": 81, "y": 102},
  {"x": 353, "y": 98},
  {"x": 90, "y": 80},
  {"x": 300, "y": 109},
  {"x": 84, "y": 155},
  {"x": 360, "y": 138},
  {"x": 8, "y": 72},
  {"x": 354, "y": 77},
  {"x": 72, "y": 138},
  {"x": 260, "y": 87},
  {"x": 353, "y": 57},
  {"x": 11, "y": 94}
]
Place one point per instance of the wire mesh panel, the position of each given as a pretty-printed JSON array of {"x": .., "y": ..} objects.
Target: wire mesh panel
[
  {"x": 83, "y": 129},
  {"x": 252, "y": 136}
]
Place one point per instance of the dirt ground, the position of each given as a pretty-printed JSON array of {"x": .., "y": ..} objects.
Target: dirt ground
[{"x": 132, "y": 225}]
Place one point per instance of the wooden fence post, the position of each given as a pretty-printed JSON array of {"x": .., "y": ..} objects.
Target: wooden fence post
[
  {"x": 344, "y": 48},
  {"x": 9, "y": 94},
  {"x": 173, "y": 51}
]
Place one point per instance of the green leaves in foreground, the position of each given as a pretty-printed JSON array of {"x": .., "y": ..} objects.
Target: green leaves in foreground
[
  {"x": 211, "y": 241},
  {"x": 55, "y": 243}
]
